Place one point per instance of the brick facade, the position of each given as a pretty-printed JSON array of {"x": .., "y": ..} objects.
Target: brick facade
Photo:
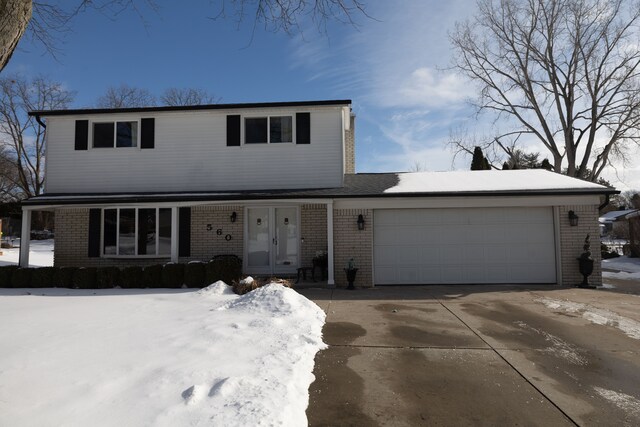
[
  {"x": 314, "y": 232},
  {"x": 72, "y": 226},
  {"x": 207, "y": 222},
  {"x": 572, "y": 241},
  {"x": 349, "y": 242}
]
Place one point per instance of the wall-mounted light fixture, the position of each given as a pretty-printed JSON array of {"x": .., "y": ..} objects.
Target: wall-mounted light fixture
[
  {"x": 234, "y": 216},
  {"x": 286, "y": 221},
  {"x": 360, "y": 222},
  {"x": 259, "y": 221},
  {"x": 573, "y": 219}
]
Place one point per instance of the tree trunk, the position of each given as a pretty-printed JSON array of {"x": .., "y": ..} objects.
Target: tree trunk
[{"x": 14, "y": 18}]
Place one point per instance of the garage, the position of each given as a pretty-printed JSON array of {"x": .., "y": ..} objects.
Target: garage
[{"x": 465, "y": 246}]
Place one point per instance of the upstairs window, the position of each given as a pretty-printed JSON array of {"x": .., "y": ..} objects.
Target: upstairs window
[
  {"x": 268, "y": 130},
  {"x": 115, "y": 134}
]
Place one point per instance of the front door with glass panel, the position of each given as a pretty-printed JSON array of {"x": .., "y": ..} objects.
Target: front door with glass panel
[{"x": 272, "y": 240}]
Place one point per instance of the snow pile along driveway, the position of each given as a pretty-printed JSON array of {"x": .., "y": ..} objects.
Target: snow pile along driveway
[
  {"x": 596, "y": 315},
  {"x": 157, "y": 357}
]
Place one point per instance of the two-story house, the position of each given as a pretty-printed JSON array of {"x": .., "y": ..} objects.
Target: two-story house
[{"x": 275, "y": 184}]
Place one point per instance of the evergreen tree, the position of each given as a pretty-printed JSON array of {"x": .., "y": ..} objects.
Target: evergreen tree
[{"x": 479, "y": 162}]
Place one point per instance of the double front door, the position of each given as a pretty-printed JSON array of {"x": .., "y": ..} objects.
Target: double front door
[{"x": 272, "y": 240}]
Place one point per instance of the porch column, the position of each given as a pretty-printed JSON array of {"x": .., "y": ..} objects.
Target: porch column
[
  {"x": 331, "y": 279},
  {"x": 175, "y": 223},
  {"x": 25, "y": 238}
]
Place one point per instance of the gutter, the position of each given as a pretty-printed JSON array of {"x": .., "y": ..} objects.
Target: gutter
[{"x": 606, "y": 201}]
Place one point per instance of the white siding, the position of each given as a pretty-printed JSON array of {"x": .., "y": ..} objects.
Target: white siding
[{"x": 191, "y": 154}]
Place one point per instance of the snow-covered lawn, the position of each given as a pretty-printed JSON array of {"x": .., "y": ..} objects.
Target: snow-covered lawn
[
  {"x": 628, "y": 268},
  {"x": 40, "y": 254},
  {"x": 156, "y": 357}
]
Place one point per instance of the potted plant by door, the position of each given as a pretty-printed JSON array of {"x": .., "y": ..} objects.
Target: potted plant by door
[{"x": 351, "y": 271}]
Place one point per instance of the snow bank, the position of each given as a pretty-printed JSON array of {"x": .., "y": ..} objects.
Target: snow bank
[
  {"x": 595, "y": 315},
  {"x": 162, "y": 358}
]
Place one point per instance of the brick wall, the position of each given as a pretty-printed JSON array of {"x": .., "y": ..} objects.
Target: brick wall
[
  {"x": 349, "y": 242},
  {"x": 205, "y": 240},
  {"x": 572, "y": 241},
  {"x": 71, "y": 243},
  {"x": 314, "y": 232},
  {"x": 350, "y": 147}
]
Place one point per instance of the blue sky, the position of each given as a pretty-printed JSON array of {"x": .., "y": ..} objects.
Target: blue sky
[{"x": 393, "y": 67}]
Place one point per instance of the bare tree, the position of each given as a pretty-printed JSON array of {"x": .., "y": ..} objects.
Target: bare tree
[
  {"x": 14, "y": 17},
  {"x": 126, "y": 96},
  {"x": 22, "y": 137},
  {"x": 8, "y": 177},
  {"x": 418, "y": 166},
  {"x": 564, "y": 72},
  {"x": 187, "y": 96},
  {"x": 45, "y": 21}
]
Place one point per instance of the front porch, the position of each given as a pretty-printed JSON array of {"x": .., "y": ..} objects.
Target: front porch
[{"x": 273, "y": 238}]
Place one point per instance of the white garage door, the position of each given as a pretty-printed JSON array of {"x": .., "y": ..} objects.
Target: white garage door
[{"x": 479, "y": 245}]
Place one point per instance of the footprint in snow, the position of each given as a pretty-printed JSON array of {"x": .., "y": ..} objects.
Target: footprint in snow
[
  {"x": 218, "y": 388},
  {"x": 193, "y": 394}
]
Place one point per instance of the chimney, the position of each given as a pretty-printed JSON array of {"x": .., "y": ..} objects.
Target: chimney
[{"x": 350, "y": 145}]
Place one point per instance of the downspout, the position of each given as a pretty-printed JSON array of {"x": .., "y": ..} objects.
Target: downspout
[
  {"x": 40, "y": 122},
  {"x": 606, "y": 202}
]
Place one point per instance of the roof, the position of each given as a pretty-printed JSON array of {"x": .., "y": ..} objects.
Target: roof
[
  {"x": 490, "y": 181},
  {"x": 616, "y": 215},
  {"x": 45, "y": 113},
  {"x": 370, "y": 185}
]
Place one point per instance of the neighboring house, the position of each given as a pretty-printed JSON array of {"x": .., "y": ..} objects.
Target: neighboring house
[
  {"x": 274, "y": 184},
  {"x": 615, "y": 224}
]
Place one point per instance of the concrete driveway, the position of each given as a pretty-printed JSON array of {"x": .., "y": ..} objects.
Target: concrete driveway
[{"x": 477, "y": 355}]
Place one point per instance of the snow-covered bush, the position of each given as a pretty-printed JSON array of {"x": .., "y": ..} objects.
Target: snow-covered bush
[
  {"x": 173, "y": 275},
  {"x": 132, "y": 277},
  {"x": 194, "y": 274},
  {"x": 227, "y": 268},
  {"x": 248, "y": 284},
  {"x": 21, "y": 278},
  {"x": 63, "y": 277},
  {"x": 43, "y": 277},
  {"x": 107, "y": 277},
  {"x": 85, "y": 278},
  {"x": 152, "y": 276},
  {"x": 5, "y": 275}
]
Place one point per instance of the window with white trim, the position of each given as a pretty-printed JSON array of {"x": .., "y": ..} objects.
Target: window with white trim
[
  {"x": 268, "y": 130},
  {"x": 115, "y": 134},
  {"x": 136, "y": 232}
]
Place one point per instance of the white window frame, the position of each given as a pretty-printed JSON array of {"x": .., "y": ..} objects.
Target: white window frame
[
  {"x": 115, "y": 133},
  {"x": 268, "y": 117},
  {"x": 136, "y": 208}
]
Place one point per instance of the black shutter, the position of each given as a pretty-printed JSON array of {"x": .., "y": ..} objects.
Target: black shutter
[
  {"x": 303, "y": 128},
  {"x": 94, "y": 232},
  {"x": 184, "y": 232},
  {"x": 233, "y": 131},
  {"x": 147, "y": 133},
  {"x": 82, "y": 134}
]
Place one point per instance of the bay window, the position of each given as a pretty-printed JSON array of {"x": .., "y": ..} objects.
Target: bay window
[{"x": 136, "y": 232}]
